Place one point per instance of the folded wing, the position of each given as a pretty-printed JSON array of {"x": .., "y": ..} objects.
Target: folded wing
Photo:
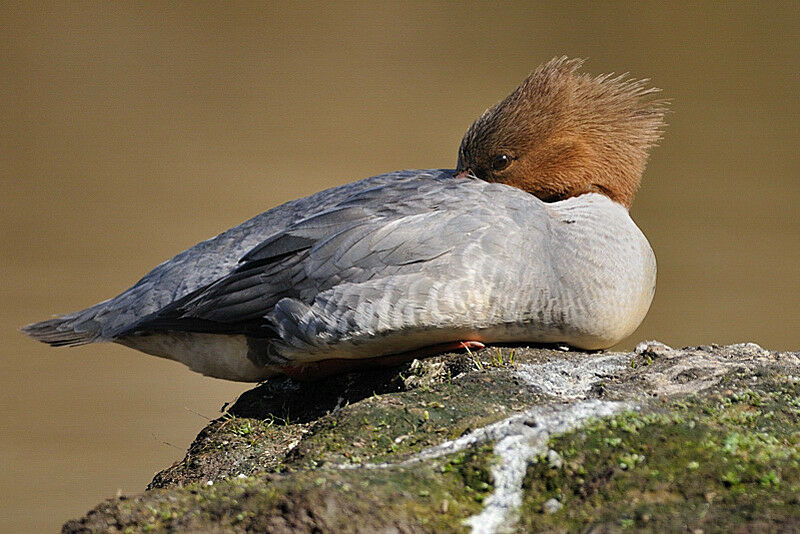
[{"x": 394, "y": 258}]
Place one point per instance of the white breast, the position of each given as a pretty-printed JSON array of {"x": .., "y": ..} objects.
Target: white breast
[{"x": 607, "y": 269}]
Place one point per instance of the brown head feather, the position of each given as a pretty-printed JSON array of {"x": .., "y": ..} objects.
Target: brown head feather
[{"x": 561, "y": 134}]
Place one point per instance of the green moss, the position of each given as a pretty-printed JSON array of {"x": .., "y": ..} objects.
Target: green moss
[
  {"x": 716, "y": 463},
  {"x": 437, "y": 496},
  {"x": 234, "y": 445},
  {"x": 387, "y": 427},
  {"x": 495, "y": 357}
]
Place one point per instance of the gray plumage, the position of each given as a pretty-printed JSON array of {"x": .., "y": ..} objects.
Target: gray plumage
[{"x": 391, "y": 263}]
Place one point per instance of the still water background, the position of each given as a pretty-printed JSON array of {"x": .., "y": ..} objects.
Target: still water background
[{"x": 131, "y": 132}]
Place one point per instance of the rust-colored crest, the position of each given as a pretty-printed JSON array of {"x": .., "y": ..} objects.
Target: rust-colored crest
[{"x": 561, "y": 134}]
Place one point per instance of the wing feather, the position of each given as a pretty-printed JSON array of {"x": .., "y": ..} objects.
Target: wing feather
[{"x": 370, "y": 263}]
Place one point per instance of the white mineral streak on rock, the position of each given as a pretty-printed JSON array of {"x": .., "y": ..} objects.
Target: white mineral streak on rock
[
  {"x": 526, "y": 436},
  {"x": 519, "y": 438},
  {"x": 567, "y": 380}
]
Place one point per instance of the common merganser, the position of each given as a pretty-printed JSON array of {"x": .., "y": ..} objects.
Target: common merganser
[{"x": 527, "y": 240}]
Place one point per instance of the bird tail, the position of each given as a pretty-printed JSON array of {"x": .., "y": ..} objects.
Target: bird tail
[{"x": 64, "y": 331}]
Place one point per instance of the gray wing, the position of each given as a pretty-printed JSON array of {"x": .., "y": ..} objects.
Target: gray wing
[
  {"x": 201, "y": 265},
  {"x": 388, "y": 259}
]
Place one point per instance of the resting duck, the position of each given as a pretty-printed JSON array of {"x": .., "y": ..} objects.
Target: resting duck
[{"x": 527, "y": 240}]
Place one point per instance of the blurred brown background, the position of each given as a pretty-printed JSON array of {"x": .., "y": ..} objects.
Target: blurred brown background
[{"x": 131, "y": 132}]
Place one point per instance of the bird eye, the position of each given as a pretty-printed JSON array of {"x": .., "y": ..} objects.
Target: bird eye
[{"x": 501, "y": 162}]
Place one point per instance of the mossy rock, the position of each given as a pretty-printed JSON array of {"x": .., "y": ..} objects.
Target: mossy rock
[{"x": 505, "y": 439}]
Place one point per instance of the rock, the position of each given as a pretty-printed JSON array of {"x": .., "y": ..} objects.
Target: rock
[
  {"x": 552, "y": 506},
  {"x": 554, "y": 460},
  {"x": 704, "y": 438}
]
